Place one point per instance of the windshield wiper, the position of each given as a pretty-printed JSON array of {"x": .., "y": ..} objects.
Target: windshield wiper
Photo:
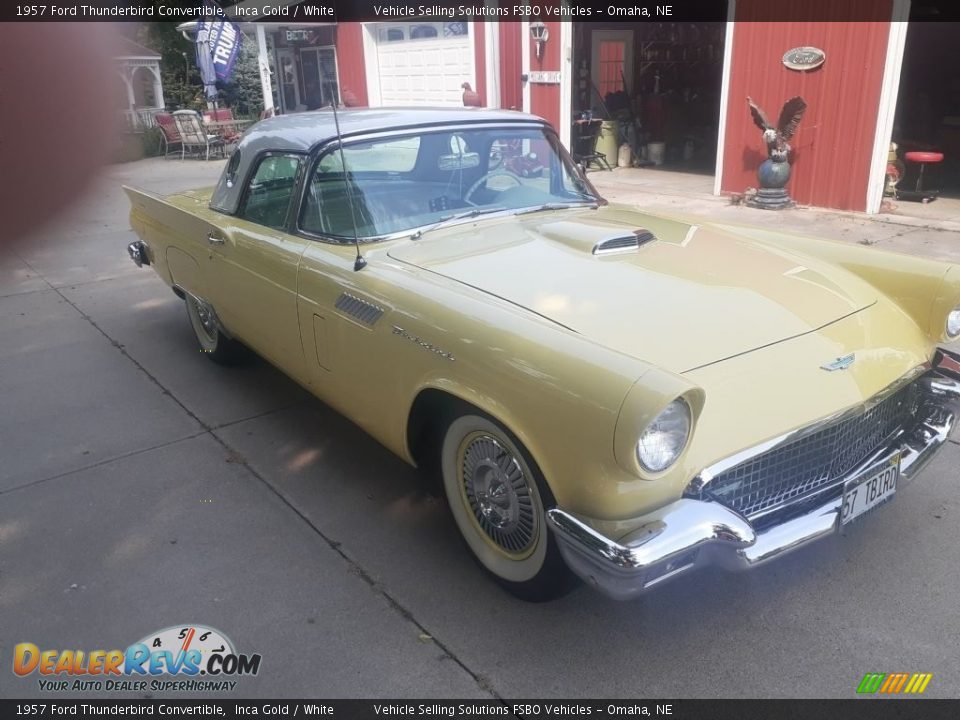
[
  {"x": 475, "y": 212},
  {"x": 559, "y": 206}
]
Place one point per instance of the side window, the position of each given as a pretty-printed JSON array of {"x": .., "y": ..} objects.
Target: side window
[
  {"x": 231, "y": 173},
  {"x": 228, "y": 178},
  {"x": 380, "y": 187},
  {"x": 270, "y": 191}
]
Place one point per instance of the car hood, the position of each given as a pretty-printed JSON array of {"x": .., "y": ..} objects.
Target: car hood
[{"x": 690, "y": 296}]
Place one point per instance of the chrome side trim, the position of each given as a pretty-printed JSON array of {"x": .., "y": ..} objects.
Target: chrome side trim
[
  {"x": 430, "y": 347},
  {"x": 360, "y": 310},
  {"x": 690, "y": 533}
]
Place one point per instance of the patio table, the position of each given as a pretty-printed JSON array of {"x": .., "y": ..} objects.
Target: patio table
[{"x": 227, "y": 128}]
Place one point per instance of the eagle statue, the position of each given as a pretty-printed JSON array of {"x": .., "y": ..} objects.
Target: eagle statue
[
  {"x": 777, "y": 137},
  {"x": 471, "y": 98}
]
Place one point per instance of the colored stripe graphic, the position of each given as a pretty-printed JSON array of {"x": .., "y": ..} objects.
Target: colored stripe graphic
[
  {"x": 922, "y": 684},
  {"x": 894, "y": 683},
  {"x": 871, "y": 682}
]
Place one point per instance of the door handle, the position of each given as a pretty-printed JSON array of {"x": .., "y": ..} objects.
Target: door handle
[{"x": 215, "y": 239}]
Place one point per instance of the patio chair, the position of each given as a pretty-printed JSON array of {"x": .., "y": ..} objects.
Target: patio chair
[
  {"x": 169, "y": 134},
  {"x": 230, "y": 133},
  {"x": 586, "y": 133},
  {"x": 194, "y": 136}
]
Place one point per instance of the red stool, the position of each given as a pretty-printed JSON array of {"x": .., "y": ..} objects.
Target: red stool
[{"x": 922, "y": 158}]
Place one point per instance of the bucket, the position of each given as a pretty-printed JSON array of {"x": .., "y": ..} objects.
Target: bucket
[
  {"x": 608, "y": 143},
  {"x": 655, "y": 152},
  {"x": 625, "y": 156}
]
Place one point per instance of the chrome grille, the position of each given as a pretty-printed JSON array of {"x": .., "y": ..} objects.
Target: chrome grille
[{"x": 812, "y": 463}]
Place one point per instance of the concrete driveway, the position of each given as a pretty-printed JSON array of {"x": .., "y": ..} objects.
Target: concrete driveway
[{"x": 142, "y": 486}]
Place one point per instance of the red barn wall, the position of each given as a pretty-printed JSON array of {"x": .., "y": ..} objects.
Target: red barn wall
[
  {"x": 834, "y": 143},
  {"x": 350, "y": 65},
  {"x": 480, "y": 59},
  {"x": 545, "y": 98},
  {"x": 511, "y": 66}
]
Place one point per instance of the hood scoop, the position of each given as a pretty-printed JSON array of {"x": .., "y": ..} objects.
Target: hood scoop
[{"x": 624, "y": 243}]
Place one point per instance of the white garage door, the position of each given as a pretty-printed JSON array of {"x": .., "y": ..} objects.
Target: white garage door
[{"x": 423, "y": 63}]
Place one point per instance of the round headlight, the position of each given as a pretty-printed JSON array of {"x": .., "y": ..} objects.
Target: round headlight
[
  {"x": 665, "y": 438},
  {"x": 953, "y": 323}
]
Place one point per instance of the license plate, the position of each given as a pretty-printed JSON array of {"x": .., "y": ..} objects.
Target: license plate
[{"x": 875, "y": 486}]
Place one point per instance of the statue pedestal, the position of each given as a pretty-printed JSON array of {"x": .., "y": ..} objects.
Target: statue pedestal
[
  {"x": 772, "y": 195},
  {"x": 771, "y": 199}
]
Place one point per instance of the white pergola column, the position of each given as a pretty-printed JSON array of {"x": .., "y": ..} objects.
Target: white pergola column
[
  {"x": 263, "y": 61},
  {"x": 157, "y": 88},
  {"x": 491, "y": 48},
  {"x": 127, "y": 78}
]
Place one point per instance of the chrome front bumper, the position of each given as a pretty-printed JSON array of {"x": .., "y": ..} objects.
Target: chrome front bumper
[{"x": 690, "y": 533}]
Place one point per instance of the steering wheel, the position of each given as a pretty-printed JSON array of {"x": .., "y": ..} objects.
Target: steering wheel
[{"x": 486, "y": 176}]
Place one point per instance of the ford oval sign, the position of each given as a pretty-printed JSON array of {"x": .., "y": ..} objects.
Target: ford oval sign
[{"x": 804, "y": 58}]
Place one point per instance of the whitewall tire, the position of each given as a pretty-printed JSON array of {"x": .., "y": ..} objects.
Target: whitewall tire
[
  {"x": 213, "y": 342},
  {"x": 498, "y": 500}
]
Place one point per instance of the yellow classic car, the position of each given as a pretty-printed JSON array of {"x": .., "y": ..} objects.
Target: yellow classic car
[{"x": 604, "y": 393}]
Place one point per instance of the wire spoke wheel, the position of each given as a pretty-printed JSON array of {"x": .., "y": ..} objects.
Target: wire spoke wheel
[
  {"x": 497, "y": 497},
  {"x": 213, "y": 342},
  {"x": 497, "y": 490},
  {"x": 204, "y": 322}
]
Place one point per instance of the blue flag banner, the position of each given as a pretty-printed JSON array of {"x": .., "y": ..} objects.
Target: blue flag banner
[{"x": 218, "y": 43}]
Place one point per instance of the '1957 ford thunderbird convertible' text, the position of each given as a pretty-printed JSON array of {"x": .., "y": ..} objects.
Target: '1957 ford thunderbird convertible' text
[{"x": 604, "y": 393}]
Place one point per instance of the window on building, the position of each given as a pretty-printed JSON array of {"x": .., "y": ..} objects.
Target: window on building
[
  {"x": 320, "y": 88},
  {"x": 391, "y": 34},
  {"x": 421, "y": 32}
]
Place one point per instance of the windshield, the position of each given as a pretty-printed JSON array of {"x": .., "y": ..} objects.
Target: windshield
[{"x": 402, "y": 183}]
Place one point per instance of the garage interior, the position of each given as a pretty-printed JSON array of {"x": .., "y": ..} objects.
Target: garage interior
[
  {"x": 927, "y": 116},
  {"x": 656, "y": 86}
]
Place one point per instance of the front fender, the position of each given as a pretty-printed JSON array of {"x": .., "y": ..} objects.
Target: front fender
[
  {"x": 947, "y": 298},
  {"x": 924, "y": 289}
]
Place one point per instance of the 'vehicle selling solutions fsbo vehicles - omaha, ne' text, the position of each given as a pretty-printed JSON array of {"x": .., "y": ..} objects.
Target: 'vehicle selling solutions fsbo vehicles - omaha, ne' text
[{"x": 605, "y": 393}]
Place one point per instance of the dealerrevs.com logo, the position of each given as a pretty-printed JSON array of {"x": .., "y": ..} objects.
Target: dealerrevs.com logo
[{"x": 179, "y": 658}]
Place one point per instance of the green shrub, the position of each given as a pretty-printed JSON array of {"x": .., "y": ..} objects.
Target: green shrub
[{"x": 152, "y": 140}]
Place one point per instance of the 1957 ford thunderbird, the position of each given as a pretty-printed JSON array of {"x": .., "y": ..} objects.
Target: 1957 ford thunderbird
[{"x": 604, "y": 393}]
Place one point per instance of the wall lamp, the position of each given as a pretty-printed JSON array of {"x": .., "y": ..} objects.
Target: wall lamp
[{"x": 540, "y": 34}]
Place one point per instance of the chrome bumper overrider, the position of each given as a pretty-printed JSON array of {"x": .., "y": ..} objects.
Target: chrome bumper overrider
[
  {"x": 137, "y": 251},
  {"x": 690, "y": 533}
]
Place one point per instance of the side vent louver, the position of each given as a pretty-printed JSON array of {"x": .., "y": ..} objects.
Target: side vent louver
[
  {"x": 623, "y": 243},
  {"x": 360, "y": 310}
]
